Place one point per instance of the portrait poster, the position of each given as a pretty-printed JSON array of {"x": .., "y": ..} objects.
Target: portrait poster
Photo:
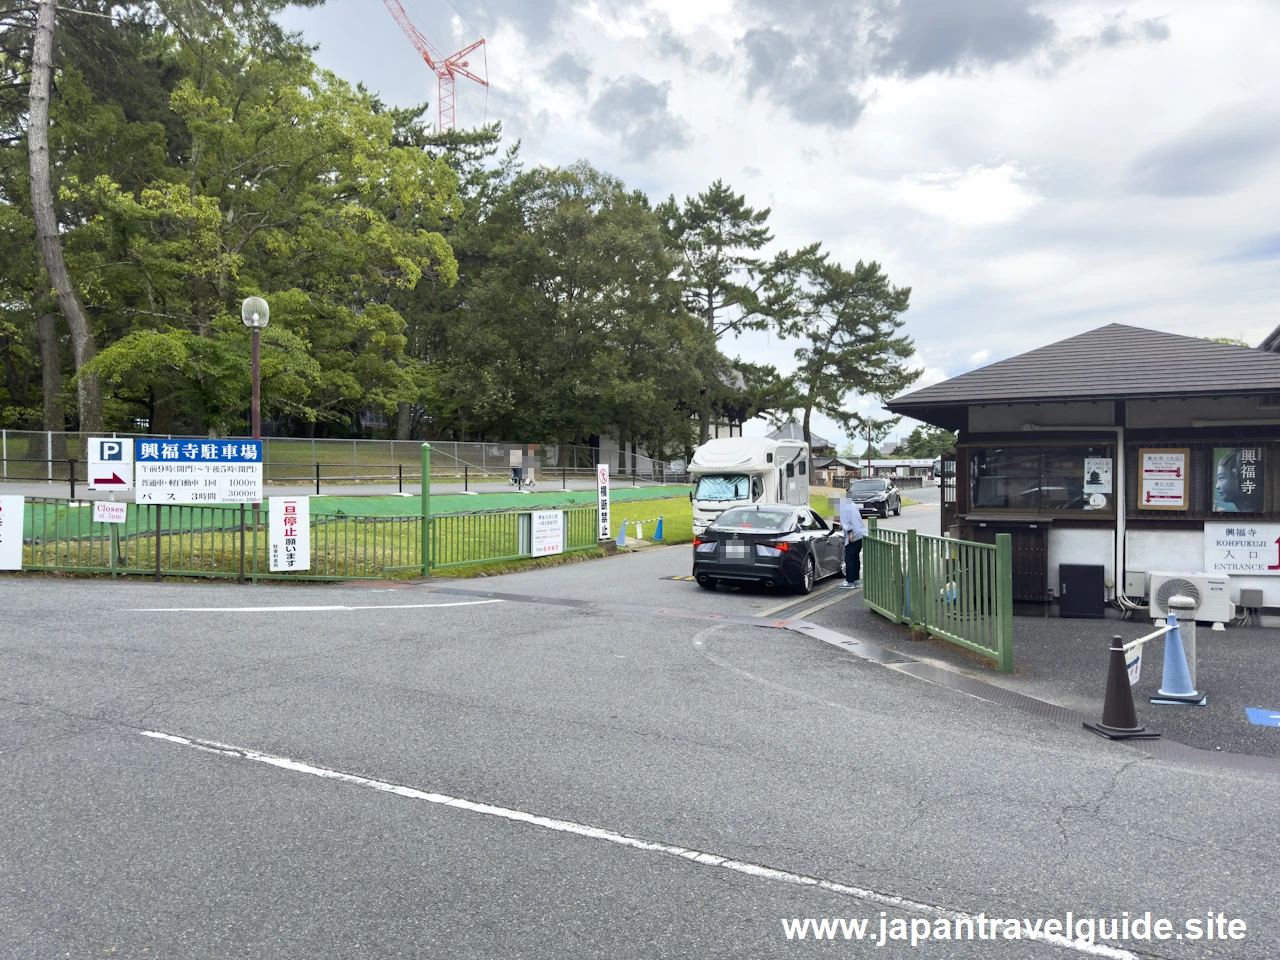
[{"x": 1238, "y": 474}]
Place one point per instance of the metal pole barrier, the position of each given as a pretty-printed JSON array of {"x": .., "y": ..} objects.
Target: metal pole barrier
[
  {"x": 564, "y": 479},
  {"x": 317, "y": 479},
  {"x": 157, "y": 510},
  {"x": 465, "y": 476},
  {"x": 72, "y": 464},
  {"x": 255, "y": 534},
  {"x": 426, "y": 509},
  {"x": 48, "y": 449},
  {"x": 4, "y": 451},
  {"x": 1004, "y": 601},
  {"x": 399, "y": 476}
]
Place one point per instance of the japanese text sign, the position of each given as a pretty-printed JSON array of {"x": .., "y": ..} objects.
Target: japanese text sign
[
  {"x": 1242, "y": 548},
  {"x": 1163, "y": 479},
  {"x": 602, "y": 499},
  {"x": 290, "y": 521}
]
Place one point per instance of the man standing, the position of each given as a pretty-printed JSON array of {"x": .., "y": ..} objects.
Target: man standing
[{"x": 855, "y": 528}]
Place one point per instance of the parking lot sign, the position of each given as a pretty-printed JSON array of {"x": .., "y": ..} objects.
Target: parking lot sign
[
  {"x": 199, "y": 471},
  {"x": 111, "y": 463}
]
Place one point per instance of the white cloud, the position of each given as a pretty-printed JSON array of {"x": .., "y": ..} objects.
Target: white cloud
[
  {"x": 981, "y": 357},
  {"x": 976, "y": 197}
]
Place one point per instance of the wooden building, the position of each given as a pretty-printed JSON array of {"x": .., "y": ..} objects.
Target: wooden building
[{"x": 1140, "y": 451}]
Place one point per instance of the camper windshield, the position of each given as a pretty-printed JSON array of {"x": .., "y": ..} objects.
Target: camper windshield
[{"x": 723, "y": 487}]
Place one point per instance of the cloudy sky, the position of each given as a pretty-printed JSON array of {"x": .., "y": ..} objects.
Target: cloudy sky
[{"x": 1030, "y": 169}]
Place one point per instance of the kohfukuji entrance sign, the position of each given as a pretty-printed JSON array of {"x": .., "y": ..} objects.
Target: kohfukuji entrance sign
[
  {"x": 198, "y": 471},
  {"x": 1242, "y": 548}
]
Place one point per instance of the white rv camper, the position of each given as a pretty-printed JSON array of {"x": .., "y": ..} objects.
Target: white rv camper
[{"x": 732, "y": 471}]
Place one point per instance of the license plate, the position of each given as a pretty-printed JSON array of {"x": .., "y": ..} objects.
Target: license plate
[{"x": 735, "y": 550}]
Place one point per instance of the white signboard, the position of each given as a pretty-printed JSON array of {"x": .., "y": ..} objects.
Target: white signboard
[
  {"x": 1242, "y": 548},
  {"x": 602, "y": 498},
  {"x": 108, "y": 511},
  {"x": 110, "y": 463},
  {"x": 548, "y": 532},
  {"x": 10, "y": 532},
  {"x": 1097, "y": 474},
  {"x": 1164, "y": 480},
  {"x": 290, "y": 519},
  {"x": 199, "y": 483},
  {"x": 1134, "y": 663},
  {"x": 199, "y": 471}
]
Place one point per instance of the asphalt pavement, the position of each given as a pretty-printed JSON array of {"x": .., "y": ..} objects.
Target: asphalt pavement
[{"x": 601, "y": 763}]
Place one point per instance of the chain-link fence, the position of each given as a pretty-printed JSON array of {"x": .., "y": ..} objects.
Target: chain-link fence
[{"x": 52, "y": 456}]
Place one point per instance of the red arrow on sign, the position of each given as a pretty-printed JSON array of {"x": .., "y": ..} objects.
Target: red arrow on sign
[
  {"x": 114, "y": 478},
  {"x": 1277, "y": 564}
]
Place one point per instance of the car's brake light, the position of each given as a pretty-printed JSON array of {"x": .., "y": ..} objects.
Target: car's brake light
[{"x": 784, "y": 547}]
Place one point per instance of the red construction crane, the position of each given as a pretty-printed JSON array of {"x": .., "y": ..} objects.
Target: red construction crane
[{"x": 445, "y": 68}]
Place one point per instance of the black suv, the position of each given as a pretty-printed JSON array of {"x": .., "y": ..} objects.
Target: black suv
[{"x": 876, "y": 495}]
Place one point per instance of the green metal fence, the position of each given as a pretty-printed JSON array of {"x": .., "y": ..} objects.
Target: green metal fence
[
  {"x": 210, "y": 541},
  {"x": 883, "y": 577},
  {"x": 958, "y": 590},
  {"x": 466, "y": 538},
  {"x": 234, "y": 541}
]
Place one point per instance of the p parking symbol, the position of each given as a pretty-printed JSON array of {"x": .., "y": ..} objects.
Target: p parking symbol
[{"x": 111, "y": 450}]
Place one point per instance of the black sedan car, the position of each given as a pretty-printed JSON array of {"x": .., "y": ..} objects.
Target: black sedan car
[
  {"x": 876, "y": 495},
  {"x": 772, "y": 544}
]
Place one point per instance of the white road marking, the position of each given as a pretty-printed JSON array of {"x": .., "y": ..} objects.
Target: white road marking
[
  {"x": 381, "y": 606},
  {"x": 792, "y": 602},
  {"x": 702, "y": 858}
]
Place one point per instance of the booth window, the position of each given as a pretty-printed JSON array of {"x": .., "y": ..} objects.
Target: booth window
[{"x": 1036, "y": 479}]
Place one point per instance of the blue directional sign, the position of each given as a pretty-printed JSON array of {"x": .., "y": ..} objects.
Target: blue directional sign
[
  {"x": 1263, "y": 718},
  {"x": 199, "y": 451}
]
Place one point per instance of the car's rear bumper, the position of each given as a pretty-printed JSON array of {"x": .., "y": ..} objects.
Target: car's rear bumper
[{"x": 761, "y": 571}]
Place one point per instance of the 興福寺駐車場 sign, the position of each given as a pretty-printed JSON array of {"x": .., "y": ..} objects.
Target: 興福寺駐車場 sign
[{"x": 199, "y": 471}]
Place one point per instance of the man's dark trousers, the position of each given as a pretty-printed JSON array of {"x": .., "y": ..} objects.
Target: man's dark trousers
[{"x": 852, "y": 560}]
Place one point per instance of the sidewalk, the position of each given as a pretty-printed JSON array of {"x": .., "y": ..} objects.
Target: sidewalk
[{"x": 1064, "y": 662}]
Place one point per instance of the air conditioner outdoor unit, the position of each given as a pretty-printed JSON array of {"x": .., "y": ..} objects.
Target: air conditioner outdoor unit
[{"x": 1211, "y": 593}]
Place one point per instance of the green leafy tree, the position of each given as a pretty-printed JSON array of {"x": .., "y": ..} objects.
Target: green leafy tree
[
  {"x": 572, "y": 325},
  {"x": 850, "y": 322},
  {"x": 293, "y": 189},
  {"x": 927, "y": 443},
  {"x": 726, "y": 280}
]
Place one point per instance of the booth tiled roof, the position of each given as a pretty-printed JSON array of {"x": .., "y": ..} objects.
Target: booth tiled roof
[{"x": 1111, "y": 362}]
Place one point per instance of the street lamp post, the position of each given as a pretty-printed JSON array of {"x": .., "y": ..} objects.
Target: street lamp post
[{"x": 255, "y": 314}]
